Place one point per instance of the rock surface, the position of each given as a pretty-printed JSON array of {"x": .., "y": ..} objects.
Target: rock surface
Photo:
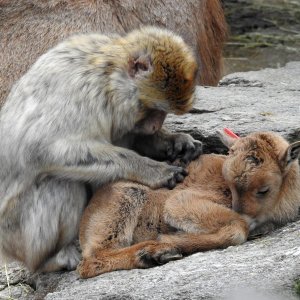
[
  {"x": 245, "y": 102},
  {"x": 265, "y": 268}
]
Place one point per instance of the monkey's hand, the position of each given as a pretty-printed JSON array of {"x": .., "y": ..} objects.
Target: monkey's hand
[
  {"x": 163, "y": 175},
  {"x": 168, "y": 146},
  {"x": 97, "y": 162},
  {"x": 183, "y": 147}
]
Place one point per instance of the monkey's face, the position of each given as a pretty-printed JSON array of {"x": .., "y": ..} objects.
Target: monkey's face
[{"x": 165, "y": 72}]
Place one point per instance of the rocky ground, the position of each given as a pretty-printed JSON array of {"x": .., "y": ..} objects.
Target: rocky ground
[
  {"x": 265, "y": 268},
  {"x": 245, "y": 102}
]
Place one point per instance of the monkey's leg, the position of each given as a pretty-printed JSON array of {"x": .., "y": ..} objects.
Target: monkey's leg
[
  {"x": 168, "y": 146},
  {"x": 142, "y": 255},
  {"x": 102, "y": 163},
  {"x": 49, "y": 222},
  {"x": 204, "y": 225}
]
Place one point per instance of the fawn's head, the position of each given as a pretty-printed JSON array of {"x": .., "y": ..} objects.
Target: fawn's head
[{"x": 255, "y": 170}]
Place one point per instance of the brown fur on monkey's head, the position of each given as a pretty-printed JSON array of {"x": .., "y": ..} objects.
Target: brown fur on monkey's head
[{"x": 164, "y": 67}]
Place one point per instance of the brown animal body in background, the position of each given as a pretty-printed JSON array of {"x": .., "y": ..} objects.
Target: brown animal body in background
[
  {"x": 128, "y": 225},
  {"x": 29, "y": 28}
]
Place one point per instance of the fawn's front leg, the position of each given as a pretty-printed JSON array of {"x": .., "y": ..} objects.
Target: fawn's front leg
[{"x": 202, "y": 224}]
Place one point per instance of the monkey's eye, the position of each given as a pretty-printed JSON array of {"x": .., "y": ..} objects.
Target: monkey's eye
[{"x": 262, "y": 191}]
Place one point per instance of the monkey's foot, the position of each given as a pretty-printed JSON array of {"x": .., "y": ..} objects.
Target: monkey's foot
[{"x": 66, "y": 259}]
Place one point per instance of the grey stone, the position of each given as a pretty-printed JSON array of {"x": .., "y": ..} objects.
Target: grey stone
[
  {"x": 266, "y": 100},
  {"x": 263, "y": 269},
  {"x": 13, "y": 282}
]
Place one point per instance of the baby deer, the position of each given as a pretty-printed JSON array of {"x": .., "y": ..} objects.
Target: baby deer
[{"x": 128, "y": 225}]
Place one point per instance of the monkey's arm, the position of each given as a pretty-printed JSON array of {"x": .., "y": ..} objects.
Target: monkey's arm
[
  {"x": 168, "y": 146},
  {"x": 103, "y": 162}
]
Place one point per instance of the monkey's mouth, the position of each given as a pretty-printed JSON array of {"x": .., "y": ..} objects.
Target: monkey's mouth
[
  {"x": 156, "y": 119},
  {"x": 151, "y": 123}
]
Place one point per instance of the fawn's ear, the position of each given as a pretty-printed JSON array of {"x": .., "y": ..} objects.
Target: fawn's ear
[
  {"x": 291, "y": 154},
  {"x": 227, "y": 137}
]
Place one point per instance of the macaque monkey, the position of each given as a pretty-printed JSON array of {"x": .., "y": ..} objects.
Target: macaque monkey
[
  {"x": 219, "y": 202},
  {"x": 67, "y": 122}
]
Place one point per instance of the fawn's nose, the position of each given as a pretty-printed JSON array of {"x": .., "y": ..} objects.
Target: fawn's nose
[{"x": 237, "y": 204}]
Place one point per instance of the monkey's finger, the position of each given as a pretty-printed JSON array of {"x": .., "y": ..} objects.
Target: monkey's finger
[
  {"x": 171, "y": 183},
  {"x": 198, "y": 150},
  {"x": 181, "y": 170},
  {"x": 170, "y": 151},
  {"x": 189, "y": 150},
  {"x": 184, "y": 172},
  {"x": 179, "y": 177},
  {"x": 178, "y": 163},
  {"x": 192, "y": 152},
  {"x": 178, "y": 146}
]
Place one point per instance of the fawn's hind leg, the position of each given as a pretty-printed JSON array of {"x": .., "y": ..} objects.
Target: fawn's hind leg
[
  {"x": 142, "y": 255},
  {"x": 106, "y": 233},
  {"x": 202, "y": 224}
]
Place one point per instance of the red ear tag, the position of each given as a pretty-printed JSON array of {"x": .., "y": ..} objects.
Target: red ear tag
[{"x": 230, "y": 133}]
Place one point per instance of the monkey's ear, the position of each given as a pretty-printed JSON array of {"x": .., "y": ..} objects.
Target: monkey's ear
[
  {"x": 139, "y": 66},
  {"x": 291, "y": 154},
  {"x": 227, "y": 137}
]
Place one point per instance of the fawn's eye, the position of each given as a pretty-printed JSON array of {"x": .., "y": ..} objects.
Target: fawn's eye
[{"x": 262, "y": 191}]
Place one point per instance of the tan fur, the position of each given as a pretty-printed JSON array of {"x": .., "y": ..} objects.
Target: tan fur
[
  {"x": 31, "y": 27},
  {"x": 128, "y": 225}
]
